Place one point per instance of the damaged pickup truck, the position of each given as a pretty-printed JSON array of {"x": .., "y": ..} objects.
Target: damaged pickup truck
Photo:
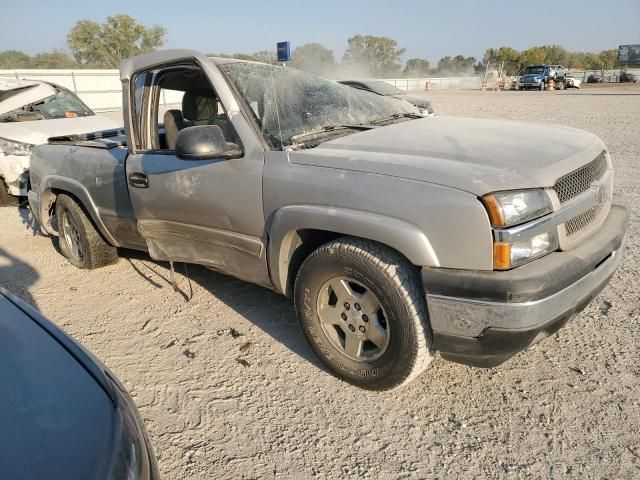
[
  {"x": 397, "y": 236},
  {"x": 30, "y": 112}
]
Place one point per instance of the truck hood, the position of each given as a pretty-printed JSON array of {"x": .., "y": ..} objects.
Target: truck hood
[
  {"x": 38, "y": 131},
  {"x": 475, "y": 155}
]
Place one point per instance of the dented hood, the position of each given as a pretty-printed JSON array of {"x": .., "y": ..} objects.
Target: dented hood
[
  {"x": 38, "y": 131},
  {"x": 475, "y": 155},
  {"x": 17, "y": 93}
]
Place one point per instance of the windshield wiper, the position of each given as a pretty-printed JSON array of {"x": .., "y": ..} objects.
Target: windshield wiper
[
  {"x": 327, "y": 129},
  {"x": 395, "y": 116}
]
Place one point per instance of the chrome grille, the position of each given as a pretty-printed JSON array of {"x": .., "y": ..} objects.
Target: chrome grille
[
  {"x": 579, "y": 181},
  {"x": 579, "y": 222}
]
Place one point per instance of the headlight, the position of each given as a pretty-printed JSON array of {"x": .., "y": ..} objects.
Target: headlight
[
  {"x": 510, "y": 208},
  {"x": 510, "y": 255},
  {"x": 130, "y": 459},
  {"x": 9, "y": 147}
]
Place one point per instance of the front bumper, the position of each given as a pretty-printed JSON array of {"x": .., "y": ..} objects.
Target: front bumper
[{"x": 482, "y": 318}]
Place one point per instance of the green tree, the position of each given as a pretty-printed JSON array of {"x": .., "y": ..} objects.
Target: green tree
[
  {"x": 11, "y": 59},
  {"x": 54, "y": 59},
  {"x": 106, "y": 44},
  {"x": 314, "y": 58},
  {"x": 379, "y": 54},
  {"x": 555, "y": 54},
  {"x": 416, "y": 67},
  {"x": 608, "y": 59},
  {"x": 532, "y": 56},
  {"x": 455, "y": 66}
]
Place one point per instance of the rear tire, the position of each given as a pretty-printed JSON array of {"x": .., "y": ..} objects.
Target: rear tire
[
  {"x": 80, "y": 242},
  {"x": 348, "y": 279}
]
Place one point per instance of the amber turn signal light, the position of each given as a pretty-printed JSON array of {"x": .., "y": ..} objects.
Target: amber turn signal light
[
  {"x": 494, "y": 210},
  {"x": 502, "y": 256}
]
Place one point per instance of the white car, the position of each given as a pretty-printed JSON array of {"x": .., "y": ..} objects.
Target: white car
[
  {"x": 571, "y": 82},
  {"x": 31, "y": 112}
]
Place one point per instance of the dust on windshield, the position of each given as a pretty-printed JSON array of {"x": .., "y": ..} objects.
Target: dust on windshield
[{"x": 287, "y": 102}]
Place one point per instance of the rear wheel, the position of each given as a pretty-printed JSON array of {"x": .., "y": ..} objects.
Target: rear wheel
[
  {"x": 361, "y": 306},
  {"x": 80, "y": 242}
]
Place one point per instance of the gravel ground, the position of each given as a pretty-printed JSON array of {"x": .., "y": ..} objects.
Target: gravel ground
[{"x": 229, "y": 389}]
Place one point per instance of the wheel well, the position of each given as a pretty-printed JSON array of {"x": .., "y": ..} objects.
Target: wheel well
[
  {"x": 306, "y": 242},
  {"x": 51, "y": 198}
]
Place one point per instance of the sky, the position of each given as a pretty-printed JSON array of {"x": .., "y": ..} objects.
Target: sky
[{"x": 427, "y": 29}]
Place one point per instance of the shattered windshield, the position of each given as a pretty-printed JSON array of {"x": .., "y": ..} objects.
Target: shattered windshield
[
  {"x": 287, "y": 102},
  {"x": 63, "y": 104}
]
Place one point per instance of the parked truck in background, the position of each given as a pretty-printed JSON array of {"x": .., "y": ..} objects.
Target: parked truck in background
[{"x": 397, "y": 236}]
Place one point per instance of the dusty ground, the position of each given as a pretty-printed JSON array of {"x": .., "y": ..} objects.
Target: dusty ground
[{"x": 229, "y": 389}]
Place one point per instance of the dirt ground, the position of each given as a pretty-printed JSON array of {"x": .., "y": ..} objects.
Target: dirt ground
[{"x": 228, "y": 387}]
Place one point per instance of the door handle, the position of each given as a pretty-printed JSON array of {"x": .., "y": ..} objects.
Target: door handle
[{"x": 139, "y": 180}]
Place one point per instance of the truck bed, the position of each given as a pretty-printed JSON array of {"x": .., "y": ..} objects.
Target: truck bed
[{"x": 93, "y": 166}]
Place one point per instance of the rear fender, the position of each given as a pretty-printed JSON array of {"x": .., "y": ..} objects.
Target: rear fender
[{"x": 54, "y": 185}]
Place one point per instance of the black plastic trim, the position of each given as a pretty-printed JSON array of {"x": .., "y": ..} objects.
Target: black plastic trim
[{"x": 496, "y": 346}]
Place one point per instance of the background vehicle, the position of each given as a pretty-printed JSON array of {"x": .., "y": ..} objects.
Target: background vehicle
[
  {"x": 558, "y": 72},
  {"x": 628, "y": 77},
  {"x": 533, "y": 77},
  {"x": 385, "y": 89},
  {"x": 396, "y": 235},
  {"x": 63, "y": 414},
  {"x": 595, "y": 79},
  {"x": 572, "y": 82},
  {"x": 30, "y": 112}
]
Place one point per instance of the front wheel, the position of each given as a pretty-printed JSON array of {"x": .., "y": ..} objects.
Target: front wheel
[{"x": 361, "y": 306}]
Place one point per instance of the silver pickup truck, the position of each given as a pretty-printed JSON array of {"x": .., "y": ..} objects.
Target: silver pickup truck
[{"x": 397, "y": 236}]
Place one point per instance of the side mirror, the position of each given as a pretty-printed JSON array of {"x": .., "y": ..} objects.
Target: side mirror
[{"x": 204, "y": 142}]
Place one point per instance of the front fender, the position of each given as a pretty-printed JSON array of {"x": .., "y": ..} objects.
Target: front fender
[
  {"x": 395, "y": 233},
  {"x": 53, "y": 185}
]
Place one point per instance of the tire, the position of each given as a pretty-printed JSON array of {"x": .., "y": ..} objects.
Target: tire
[
  {"x": 80, "y": 242},
  {"x": 331, "y": 284}
]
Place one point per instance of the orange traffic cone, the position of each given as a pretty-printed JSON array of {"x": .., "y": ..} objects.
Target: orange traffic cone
[{"x": 550, "y": 85}]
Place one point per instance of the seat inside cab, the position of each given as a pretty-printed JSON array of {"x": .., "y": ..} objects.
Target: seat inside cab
[{"x": 185, "y": 99}]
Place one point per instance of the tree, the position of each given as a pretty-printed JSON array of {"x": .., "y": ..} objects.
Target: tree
[
  {"x": 314, "y": 58},
  {"x": 54, "y": 59},
  {"x": 458, "y": 65},
  {"x": 416, "y": 67},
  {"x": 14, "y": 59},
  {"x": 608, "y": 59},
  {"x": 532, "y": 56},
  {"x": 107, "y": 43},
  {"x": 379, "y": 55}
]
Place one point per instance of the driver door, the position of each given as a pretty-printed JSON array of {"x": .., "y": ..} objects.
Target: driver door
[{"x": 207, "y": 212}]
